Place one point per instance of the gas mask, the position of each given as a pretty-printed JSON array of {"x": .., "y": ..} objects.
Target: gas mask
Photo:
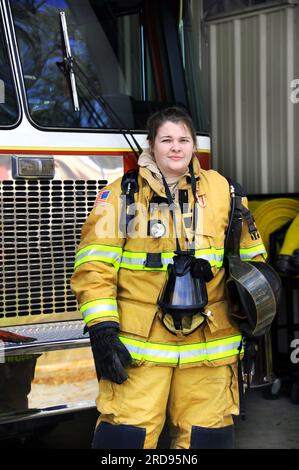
[{"x": 184, "y": 296}]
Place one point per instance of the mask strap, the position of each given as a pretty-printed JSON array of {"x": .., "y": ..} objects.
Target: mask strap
[
  {"x": 172, "y": 211},
  {"x": 193, "y": 186}
]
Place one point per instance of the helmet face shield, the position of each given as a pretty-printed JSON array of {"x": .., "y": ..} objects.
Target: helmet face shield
[{"x": 254, "y": 287}]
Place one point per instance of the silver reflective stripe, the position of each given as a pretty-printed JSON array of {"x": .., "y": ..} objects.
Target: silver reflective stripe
[
  {"x": 195, "y": 352},
  {"x": 98, "y": 309},
  {"x": 106, "y": 255},
  {"x": 206, "y": 352},
  {"x": 184, "y": 354},
  {"x": 251, "y": 252},
  {"x": 212, "y": 258},
  {"x": 246, "y": 256},
  {"x": 128, "y": 259},
  {"x": 140, "y": 261},
  {"x": 132, "y": 261},
  {"x": 94, "y": 253},
  {"x": 171, "y": 356}
]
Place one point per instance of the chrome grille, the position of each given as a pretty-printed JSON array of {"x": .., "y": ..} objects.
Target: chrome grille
[{"x": 40, "y": 228}]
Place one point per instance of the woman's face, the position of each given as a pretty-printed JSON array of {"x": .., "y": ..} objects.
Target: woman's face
[{"x": 173, "y": 148}]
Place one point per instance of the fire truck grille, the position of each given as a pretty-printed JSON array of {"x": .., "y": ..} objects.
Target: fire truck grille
[{"x": 40, "y": 227}]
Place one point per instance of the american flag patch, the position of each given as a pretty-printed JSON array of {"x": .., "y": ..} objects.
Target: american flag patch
[{"x": 102, "y": 197}]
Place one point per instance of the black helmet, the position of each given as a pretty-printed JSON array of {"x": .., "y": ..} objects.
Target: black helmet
[{"x": 254, "y": 290}]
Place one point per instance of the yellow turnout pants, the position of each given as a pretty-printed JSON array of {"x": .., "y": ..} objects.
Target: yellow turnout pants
[{"x": 204, "y": 397}]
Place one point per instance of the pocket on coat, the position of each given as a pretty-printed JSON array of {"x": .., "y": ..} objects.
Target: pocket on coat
[
  {"x": 136, "y": 317},
  {"x": 218, "y": 322}
]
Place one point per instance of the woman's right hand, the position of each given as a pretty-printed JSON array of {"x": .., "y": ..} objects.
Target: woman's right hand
[{"x": 111, "y": 357}]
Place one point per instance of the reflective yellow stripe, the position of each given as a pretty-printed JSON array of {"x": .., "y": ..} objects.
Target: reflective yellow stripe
[
  {"x": 183, "y": 354},
  {"x": 136, "y": 260},
  {"x": 211, "y": 351},
  {"x": 106, "y": 253},
  {"x": 99, "y": 308},
  {"x": 213, "y": 255},
  {"x": 151, "y": 352},
  {"x": 246, "y": 254}
]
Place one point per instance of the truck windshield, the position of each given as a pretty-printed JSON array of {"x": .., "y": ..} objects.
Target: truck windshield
[
  {"x": 124, "y": 55},
  {"x": 9, "y": 110}
]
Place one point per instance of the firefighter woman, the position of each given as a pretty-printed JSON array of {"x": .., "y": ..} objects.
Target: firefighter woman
[{"x": 150, "y": 283}]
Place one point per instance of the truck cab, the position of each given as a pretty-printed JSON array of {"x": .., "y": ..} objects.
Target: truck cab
[{"x": 78, "y": 81}]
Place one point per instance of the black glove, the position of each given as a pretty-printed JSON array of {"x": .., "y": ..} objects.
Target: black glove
[{"x": 110, "y": 355}]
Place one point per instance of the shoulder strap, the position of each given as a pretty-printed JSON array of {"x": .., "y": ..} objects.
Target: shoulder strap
[
  {"x": 129, "y": 182},
  {"x": 129, "y": 186},
  {"x": 238, "y": 211}
]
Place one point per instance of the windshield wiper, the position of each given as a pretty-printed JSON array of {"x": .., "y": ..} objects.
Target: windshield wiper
[
  {"x": 67, "y": 68},
  {"x": 68, "y": 61}
]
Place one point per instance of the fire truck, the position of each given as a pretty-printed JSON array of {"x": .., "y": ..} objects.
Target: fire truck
[{"x": 78, "y": 81}]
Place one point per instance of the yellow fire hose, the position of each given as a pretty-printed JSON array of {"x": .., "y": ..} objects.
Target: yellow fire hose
[
  {"x": 291, "y": 240},
  {"x": 272, "y": 214}
]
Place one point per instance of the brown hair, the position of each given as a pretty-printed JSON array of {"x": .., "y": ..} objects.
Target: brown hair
[{"x": 173, "y": 114}]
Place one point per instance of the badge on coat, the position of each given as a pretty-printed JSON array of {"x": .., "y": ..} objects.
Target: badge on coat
[{"x": 157, "y": 229}]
